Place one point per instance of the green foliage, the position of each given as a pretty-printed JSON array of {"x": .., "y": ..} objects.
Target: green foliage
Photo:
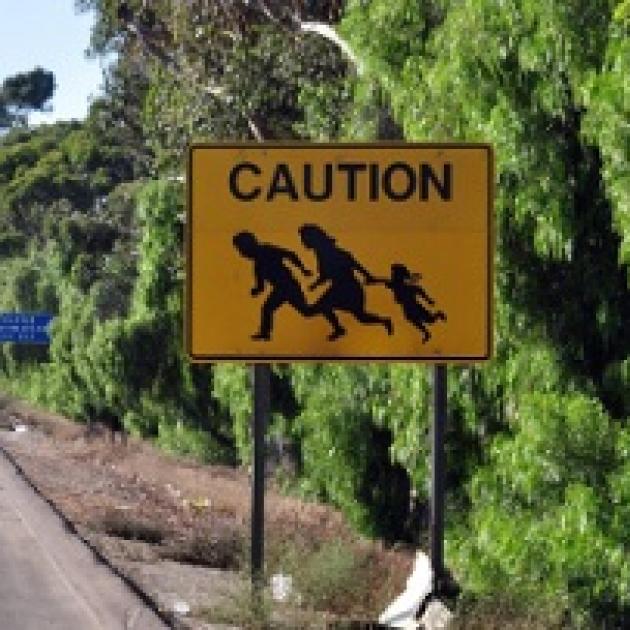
[
  {"x": 385, "y": 34},
  {"x": 137, "y": 364},
  {"x": 215, "y": 70},
  {"x": 230, "y": 385},
  {"x": 534, "y": 436},
  {"x": 325, "y": 107},
  {"x": 53, "y": 182},
  {"x": 160, "y": 214},
  {"x": 117, "y": 361},
  {"x": 53, "y": 162},
  {"x": 70, "y": 334},
  {"x": 262, "y": 95},
  {"x": 607, "y": 98},
  {"x": 543, "y": 510},
  {"x": 190, "y": 440},
  {"x": 23, "y": 92},
  {"x": 346, "y": 444}
]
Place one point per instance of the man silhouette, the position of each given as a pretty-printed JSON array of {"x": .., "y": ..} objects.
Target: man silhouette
[{"x": 270, "y": 268}]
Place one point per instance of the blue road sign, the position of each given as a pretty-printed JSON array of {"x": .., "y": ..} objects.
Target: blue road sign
[{"x": 25, "y": 327}]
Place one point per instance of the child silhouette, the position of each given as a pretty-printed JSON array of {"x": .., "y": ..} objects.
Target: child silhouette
[
  {"x": 270, "y": 268},
  {"x": 406, "y": 289}
]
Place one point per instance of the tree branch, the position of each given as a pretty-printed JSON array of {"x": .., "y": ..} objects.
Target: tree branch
[
  {"x": 323, "y": 29},
  {"x": 328, "y": 32},
  {"x": 253, "y": 127}
]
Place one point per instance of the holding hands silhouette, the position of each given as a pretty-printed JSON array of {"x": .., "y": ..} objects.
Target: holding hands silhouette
[{"x": 339, "y": 270}]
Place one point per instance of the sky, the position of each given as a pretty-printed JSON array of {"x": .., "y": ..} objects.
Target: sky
[{"x": 50, "y": 34}]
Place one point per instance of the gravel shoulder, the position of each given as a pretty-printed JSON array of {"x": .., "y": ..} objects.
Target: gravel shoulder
[
  {"x": 48, "y": 578},
  {"x": 175, "y": 529}
]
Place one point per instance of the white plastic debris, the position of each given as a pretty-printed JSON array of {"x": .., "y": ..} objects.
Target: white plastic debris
[
  {"x": 402, "y": 612},
  {"x": 281, "y": 587},
  {"x": 436, "y": 616},
  {"x": 181, "y": 607}
]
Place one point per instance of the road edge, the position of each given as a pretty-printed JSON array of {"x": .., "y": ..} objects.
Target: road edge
[{"x": 169, "y": 619}]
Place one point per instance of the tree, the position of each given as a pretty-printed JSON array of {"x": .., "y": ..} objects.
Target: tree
[
  {"x": 541, "y": 427},
  {"x": 221, "y": 70},
  {"x": 24, "y": 92}
]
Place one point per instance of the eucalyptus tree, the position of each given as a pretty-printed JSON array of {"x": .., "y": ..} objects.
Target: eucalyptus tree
[
  {"x": 221, "y": 69},
  {"x": 22, "y": 93},
  {"x": 545, "y": 424}
]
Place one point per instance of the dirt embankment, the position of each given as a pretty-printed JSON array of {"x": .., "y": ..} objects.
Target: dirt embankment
[{"x": 179, "y": 530}]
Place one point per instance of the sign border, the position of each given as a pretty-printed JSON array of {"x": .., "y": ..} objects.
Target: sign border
[{"x": 292, "y": 358}]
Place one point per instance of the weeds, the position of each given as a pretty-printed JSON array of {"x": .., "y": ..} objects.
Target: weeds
[
  {"x": 331, "y": 584},
  {"x": 129, "y": 526},
  {"x": 257, "y": 611},
  {"x": 220, "y": 548},
  {"x": 337, "y": 577},
  {"x": 331, "y": 578}
]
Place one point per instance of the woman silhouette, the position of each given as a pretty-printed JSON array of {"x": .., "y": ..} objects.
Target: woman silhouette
[
  {"x": 345, "y": 293},
  {"x": 406, "y": 289}
]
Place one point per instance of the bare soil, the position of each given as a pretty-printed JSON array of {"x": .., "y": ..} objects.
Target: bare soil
[{"x": 179, "y": 530}]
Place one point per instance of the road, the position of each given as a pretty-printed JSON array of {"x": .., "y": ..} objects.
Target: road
[{"x": 49, "y": 580}]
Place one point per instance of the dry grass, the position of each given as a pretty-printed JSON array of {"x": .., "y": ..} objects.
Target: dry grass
[
  {"x": 126, "y": 525},
  {"x": 352, "y": 579},
  {"x": 199, "y": 515},
  {"x": 218, "y": 548},
  {"x": 333, "y": 586}
]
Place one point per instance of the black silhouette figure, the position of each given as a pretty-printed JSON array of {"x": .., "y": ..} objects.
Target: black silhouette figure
[
  {"x": 345, "y": 292},
  {"x": 406, "y": 289},
  {"x": 269, "y": 267}
]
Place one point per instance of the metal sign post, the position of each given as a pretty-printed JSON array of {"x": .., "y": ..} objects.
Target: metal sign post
[
  {"x": 438, "y": 473},
  {"x": 260, "y": 419}
]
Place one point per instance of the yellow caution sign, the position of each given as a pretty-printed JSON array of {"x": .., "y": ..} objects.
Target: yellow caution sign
[{"x": 326, "y": 252}]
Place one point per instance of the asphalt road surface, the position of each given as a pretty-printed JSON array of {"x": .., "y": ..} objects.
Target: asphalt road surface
[{"x": 49, "y": 580}]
